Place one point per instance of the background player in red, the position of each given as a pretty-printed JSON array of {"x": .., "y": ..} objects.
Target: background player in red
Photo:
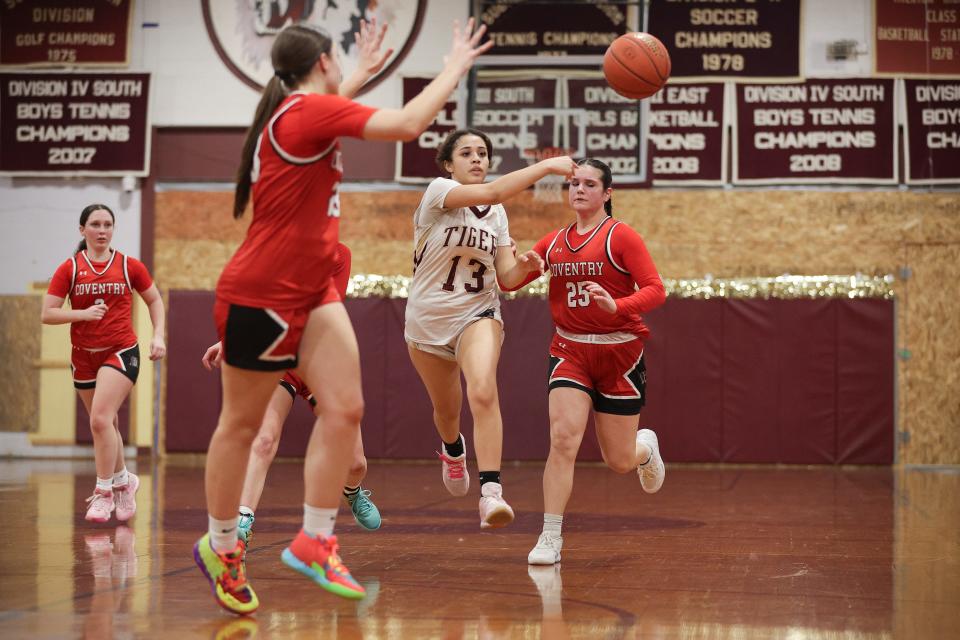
[
  {"x": 601, "y": 279},
  {"x": 453, "y": 323},
  {"x": 105, "y": 359},
  {"x": 264, "y": 448},
  {"x": 276, "y": 308}
]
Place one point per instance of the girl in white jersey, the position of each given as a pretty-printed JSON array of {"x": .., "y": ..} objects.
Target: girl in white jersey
[{"x": 453, "y": 321}]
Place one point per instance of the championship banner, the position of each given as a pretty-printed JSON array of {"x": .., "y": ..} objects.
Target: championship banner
[
  {"x": 917, "y": 38},
  {"x": 415, "y": 159},
  {"x": 688, "y": 136},
  {"x": 81, "y": 124},
  {"x": 751, "y": 39},
  {"x": 537, "y": 29},
  {"x": 820, "y": 131},
  {"x": 932, "y": 131},
  {"x": 65, "y": 32}
]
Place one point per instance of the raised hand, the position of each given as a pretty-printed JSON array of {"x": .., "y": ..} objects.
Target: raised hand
[
  {"x": 368, "y": 41},
  {"x": 599, "y": 295},
  {"x": 466, "y": 47},
  {"x": 213, "y": 357},
  {"x": 560, "y": 165}
]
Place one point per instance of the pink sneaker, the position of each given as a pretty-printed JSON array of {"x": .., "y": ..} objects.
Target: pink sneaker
[
  {"x": 494, "y": 510},
  {"x": 455, "y": 476},
  {"x": 100, "y": 506},
  {"x": 125, "y": 496}
]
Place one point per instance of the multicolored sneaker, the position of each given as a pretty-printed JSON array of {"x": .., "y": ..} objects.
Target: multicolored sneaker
[
  {"x": 455, "y": 476},
  {"x": 245, "y": 528},
  {"x": 99, "y": 506},
  {"x": 364, "y": 511},
  {"x": 125, "y": 497},
  {"x": 494, "y": 510},
  {"x": 228, "y": 581},
  {"x": 652, "y": 472},
  {"x": 547, "y": 550},
  {"x": 317, "y": 559}
]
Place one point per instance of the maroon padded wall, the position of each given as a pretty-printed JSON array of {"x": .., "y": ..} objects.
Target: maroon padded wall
[{"x": 791, "y": 381}]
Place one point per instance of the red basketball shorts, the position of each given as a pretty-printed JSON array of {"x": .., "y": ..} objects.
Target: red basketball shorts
[{"x": 613, "y": 374}]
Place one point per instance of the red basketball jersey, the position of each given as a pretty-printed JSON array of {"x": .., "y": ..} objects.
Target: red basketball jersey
[
  {"x": 288, "y": 256},
  {"x": 614, "y": 256},
  {"x": 88, "y": 283}
]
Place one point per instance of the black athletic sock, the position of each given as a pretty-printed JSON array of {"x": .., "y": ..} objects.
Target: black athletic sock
[
  {"x": 454, "y": 450},
  {"x": 489, "y": 476},
  {"x": 351, "y": 491}
]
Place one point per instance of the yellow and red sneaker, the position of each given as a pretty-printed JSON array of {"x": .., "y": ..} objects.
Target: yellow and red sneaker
[
  {"x": 227, "y": 577},
  {"x": 317, "y": 559}
]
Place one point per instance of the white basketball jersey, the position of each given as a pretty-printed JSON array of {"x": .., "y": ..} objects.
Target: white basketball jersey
[{"x": 454, "y": 279}]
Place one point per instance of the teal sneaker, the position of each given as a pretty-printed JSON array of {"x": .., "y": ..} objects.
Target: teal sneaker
[
  {"x": 364, "y": 511},
  {"x": 245, "y": 529}
]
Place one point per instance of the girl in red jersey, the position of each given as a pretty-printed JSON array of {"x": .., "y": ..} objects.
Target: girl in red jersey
[
  {"x": 601, "y": 279},
  {"x": 264, "y": 448},
  {"x": 276, "y": 308},
  {"x": 106, "y": 357},
  {"x": 453, "y": 324}
]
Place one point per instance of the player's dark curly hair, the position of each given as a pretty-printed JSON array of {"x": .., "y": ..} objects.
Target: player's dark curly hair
[
  {"x": 445, "y": 150},
  {"x": 606, "y": 176},
  {"x": 295, "y": 51},
  {"x": 85, "y": 215}
]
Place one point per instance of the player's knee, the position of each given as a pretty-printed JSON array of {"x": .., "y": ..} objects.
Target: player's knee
[
  {"x": 348, "y": 411},
  {"x": 265, "y": 446},
  {"x": 101, "y": 424},
  {"x": 564, "y": 443},
  {"x": 482, "y": 396}
]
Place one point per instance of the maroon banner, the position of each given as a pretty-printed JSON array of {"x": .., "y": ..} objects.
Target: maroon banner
[
  {"x": 74, "y": 123},
  {"x": 820, "y": 131},
  {"x": 729, "y": 38},
  {"x": 933, "y": 131},
  {"x": 687, "y": 134},
  {"x": 533, "y": 29},
  {"x": 64, "y": 32},
  {"x": 917, "y": 38},
  {"x": 415, "y": 159}
]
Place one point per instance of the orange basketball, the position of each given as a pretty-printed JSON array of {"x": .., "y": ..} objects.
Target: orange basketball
[{"x": 636, "y": 65}]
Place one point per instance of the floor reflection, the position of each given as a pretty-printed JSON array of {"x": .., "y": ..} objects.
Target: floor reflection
[{"x": 721, "y": 552}]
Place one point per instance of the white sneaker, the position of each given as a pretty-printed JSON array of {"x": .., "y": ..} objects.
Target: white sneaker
[
  {"x": 547, "y": 550},
  {"x": 494, "y": 510},
  {"x": 652, "y": 472},
  {"x": 455, "y": 476}
]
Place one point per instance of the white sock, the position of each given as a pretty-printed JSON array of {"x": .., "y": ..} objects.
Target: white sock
[
  {"x": 246, "y": 511},
  {"x": 105, "y": 484},
  {"x": 552, "y": 523},
  {"x": 121, "y": 478},
  {"x": 318, "y": 521},
  {"x": 223, "y": 534}
]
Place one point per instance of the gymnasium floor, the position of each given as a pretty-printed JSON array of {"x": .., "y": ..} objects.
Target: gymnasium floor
[{"x": 731, "y": 552}]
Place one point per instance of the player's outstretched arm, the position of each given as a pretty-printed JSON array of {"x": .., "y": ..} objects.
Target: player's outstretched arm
[
  {"x": 370, "y": 60},
  {"x": 505, "y": 187},
  {"x": 415, "y": 116}
]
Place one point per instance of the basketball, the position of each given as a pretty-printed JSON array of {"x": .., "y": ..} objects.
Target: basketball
[{"x": 636, "y": 65}]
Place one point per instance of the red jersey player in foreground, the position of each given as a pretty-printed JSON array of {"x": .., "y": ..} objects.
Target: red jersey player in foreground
[
  {"x": 105, "y": 359},
  {"x": 264, "y": 448},
  {"x": 276, "y": 307},
  {"x": 601, "y": 280}
]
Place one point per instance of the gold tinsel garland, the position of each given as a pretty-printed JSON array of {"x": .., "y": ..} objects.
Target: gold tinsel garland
[{"x": 785, "y": 287}]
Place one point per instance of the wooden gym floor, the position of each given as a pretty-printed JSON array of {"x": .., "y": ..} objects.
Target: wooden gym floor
[{"x": 720, "y": 552}]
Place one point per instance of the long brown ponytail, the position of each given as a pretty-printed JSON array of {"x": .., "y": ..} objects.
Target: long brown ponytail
[{"x": 294, "y": 52}]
